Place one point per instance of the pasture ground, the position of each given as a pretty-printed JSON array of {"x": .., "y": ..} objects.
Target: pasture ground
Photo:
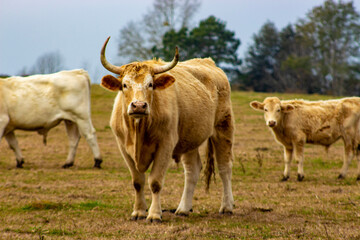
[{"x": 44, "y": 201}]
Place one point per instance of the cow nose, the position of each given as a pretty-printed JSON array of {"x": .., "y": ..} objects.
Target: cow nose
[
  {"x": 272, "y": 123},
  {"x": 138, "y": 106}
]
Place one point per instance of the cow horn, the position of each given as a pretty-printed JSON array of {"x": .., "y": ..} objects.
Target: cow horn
[
  {"x": 167, "y": 67},
  {"x": 105, "y": 63}
]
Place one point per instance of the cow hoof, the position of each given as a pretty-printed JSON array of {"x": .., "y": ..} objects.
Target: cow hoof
[
  {"x": 300, "y": 177},
  {"x": 154, "y": 220},
  {"x": 19, "y": 164},
  {"x": 284, "y": 178},
  {"x": 135, "y": 218},
  {"x": 358, "y": 178},
  {"x": 182, "y": 213},
  {"x": 226, "y": 210},
  {"x": 138, "y": 215},
  {"x": 226, "y": 213},
  {"x": 98, "y": 163},
  {"x": 67, "y": 165},
  {"x": 341, "y": 176}
]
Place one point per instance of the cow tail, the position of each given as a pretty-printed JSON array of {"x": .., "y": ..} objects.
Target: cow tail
[{"x": 209, "y": 169}]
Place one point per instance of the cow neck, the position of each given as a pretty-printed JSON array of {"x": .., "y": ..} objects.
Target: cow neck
[
  {"x": 139, "y": 137},
  {"x": 136, "y": 137},
  {"x": 279, "y": 131}
]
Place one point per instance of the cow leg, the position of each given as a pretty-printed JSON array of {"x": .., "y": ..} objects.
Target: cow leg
[
  {"x": 88, "y": 131},
  {"x": 223, "y": 153},
  {"x": 156, "y": 180},
  {"x": 140, "y": 206},
  {"x": 74, "y": 137},
  {"x": 348, "y": 156},
  {"x": 223, "y": 145},
  {"x": 299, "y": 156},
  {"x": 222, "y": 142},
  {"x": 138, "y": 180},
  {"x": 192, "y": 167},
  {"x": 287, "y": 159},
  {"x": 13, "y": 144}
]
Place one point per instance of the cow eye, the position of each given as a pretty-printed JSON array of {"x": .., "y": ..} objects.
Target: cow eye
[
  {"x": 150, "y": 85},
  {"x": 278, "y": 110},
  {"x": 124, "y": 86},
  {"x": 265, "y": 110}
]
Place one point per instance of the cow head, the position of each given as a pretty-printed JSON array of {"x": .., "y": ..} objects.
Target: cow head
[
  {"x": 273, "y": 110},
  {"x": 137, "y": 81}
]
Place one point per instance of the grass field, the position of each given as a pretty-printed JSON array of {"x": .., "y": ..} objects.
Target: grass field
[{"x": 44, "y": 201}]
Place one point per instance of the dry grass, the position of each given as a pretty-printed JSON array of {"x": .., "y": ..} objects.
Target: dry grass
[{"x": 43, "y": 201}]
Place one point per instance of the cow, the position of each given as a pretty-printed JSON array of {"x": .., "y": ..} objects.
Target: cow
[
  {"x": 167, "y": 110},
  {"x": 40, "y": 102},
  {"x": 296, "y": 122}
]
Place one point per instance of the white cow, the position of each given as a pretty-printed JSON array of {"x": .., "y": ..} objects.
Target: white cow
[{"x": 41, "y": 102}]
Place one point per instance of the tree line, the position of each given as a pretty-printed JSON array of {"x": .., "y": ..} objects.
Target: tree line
[{"x": 320, "y": 53}]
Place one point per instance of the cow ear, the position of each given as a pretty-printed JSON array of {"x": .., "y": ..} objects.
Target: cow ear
[
  {"x": 111, "y": 83},
  {"x": 257, "y": 105},
  {"x": 163, "y": 81},
  {"x": 287, "y": 108}
]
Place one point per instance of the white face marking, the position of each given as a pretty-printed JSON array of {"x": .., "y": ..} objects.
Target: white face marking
[
  {"x": 138, "y": 86},
  {"x": 147, "y": 80}
]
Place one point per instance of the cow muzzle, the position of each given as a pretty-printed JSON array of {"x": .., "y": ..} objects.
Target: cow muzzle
[
  {"x": 271, "y": 123},
  {"x": 138, "y": 109}
]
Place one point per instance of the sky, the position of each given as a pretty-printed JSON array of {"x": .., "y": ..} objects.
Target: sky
[{"x": 77, "y": 29}]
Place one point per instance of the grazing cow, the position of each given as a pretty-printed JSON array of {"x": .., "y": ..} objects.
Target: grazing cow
[
  {"x": 296, "y": 122},
  {"x": 41, "y": 102},
  {"x": 158, "y": 116}
]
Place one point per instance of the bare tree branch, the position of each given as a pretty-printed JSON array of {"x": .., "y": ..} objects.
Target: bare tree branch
[
  {"x": 48, "y": 63},
  {"x": 137, "y": 39}
]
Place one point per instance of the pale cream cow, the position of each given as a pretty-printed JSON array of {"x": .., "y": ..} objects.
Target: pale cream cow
[
  {"x": 41, "y": 102},
  {"x": 296, "y": 122},
  {"x": 158, "y": 116}
]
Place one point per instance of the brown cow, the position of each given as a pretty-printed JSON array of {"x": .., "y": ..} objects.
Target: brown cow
[
  {"x": 296, "y": 122},
  {"x": 158, "y": 116}
]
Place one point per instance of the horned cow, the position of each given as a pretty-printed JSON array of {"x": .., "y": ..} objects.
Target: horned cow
[
  {"x": 158, "y": 116},
  {"x": 296, "y": 122},
  {"x": 41, "y": 102}
]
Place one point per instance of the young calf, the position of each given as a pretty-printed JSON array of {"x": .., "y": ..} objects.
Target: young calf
[{"x": 296, "y": 122}]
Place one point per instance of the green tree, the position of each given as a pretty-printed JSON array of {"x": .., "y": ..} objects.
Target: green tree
[
  {"x": 209, "y": 39},
  {"x": 286, "y": 41},
  {"x": 332, "y": 32},
  {"x": 261, "y": 60},
  {"x": 174, "y": 39},
  {"x": 294, "y": 63}
]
